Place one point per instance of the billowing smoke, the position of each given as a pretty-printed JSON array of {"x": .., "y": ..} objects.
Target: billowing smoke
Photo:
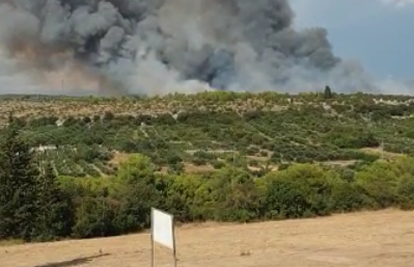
[{"x": 161, "y": 46}]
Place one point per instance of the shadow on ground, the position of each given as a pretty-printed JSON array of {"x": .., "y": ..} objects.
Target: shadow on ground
[{"x": 74, "y": 262}]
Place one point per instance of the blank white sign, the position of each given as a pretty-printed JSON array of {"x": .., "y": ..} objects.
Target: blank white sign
[{"x": 163, "y": 228}]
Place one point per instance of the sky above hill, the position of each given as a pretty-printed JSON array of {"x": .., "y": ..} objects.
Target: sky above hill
[{"x": 376, "y": 32}]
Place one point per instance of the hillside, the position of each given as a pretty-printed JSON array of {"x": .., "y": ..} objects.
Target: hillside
[
  {"x": 196, "y": 133},
  {"x": 93, "y": 167},
  {"x": 357, "y": 240}
]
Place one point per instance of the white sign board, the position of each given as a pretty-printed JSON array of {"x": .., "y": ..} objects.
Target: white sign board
[{"x": 163, "y": 228}]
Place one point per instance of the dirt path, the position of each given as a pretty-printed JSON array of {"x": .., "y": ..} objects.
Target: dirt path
[{"x": 372, "y": 239}]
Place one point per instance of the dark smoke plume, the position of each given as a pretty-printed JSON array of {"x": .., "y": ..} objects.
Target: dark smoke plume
[{"x": 161, "y": 46}]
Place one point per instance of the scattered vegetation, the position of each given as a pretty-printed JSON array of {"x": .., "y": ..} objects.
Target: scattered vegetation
[{"x": 86, "y": 167}]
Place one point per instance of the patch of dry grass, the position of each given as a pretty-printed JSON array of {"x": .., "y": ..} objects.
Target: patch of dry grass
[
  {"x": 368, "y": 239},
  {"x": 12, "y": 242},
  {"x": 119, "y": 157},
  {"x": 379, "y": 152}
]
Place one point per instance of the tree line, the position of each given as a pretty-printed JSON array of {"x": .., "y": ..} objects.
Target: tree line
[{"x": 37, "y": 205}]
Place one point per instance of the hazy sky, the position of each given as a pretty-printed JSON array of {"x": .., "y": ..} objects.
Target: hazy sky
[{"x": 376, "y": 32}]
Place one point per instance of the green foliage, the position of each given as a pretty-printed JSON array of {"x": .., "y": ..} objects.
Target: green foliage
[
  {"x": 272, "y": 156},
  {"x": 304, "y": 190},
  {"x": 304, "y": 128},
  {"x": 55, "y": 213},
  {"x": 285, "y": 200},
  {"x": 92, "y": 207},
  {"x": 18, "y": 186},
  {"x": 94, "y": 218}
]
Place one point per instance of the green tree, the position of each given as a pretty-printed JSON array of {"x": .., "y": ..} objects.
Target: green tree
[
  {"x": 234, "y": 195},
  {"x": 180, "y": 195},
  {"x": 18, "y": 186},
  {"x": 285, "y": 199},
  {"x": 307, "y": 181},
  {"x": 327, "y": 93},
  {"x": 379, "y": 181},
  {"x": 137, "y": 193},
  {"x": 94, "y": 217},
  {"x": 55, "y": 216}
]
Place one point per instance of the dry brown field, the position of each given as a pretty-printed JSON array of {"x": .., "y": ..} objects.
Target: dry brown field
[{"x": 368, "y": 239}]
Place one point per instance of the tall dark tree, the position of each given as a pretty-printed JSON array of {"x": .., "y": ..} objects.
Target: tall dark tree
[
  {"x": 55, "y": 216},
  {"x": 327, "y": 93},
  {"x": 18, "y": 185}
]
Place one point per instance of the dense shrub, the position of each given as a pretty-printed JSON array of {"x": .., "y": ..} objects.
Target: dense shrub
[{"x": 121, "y": 204}]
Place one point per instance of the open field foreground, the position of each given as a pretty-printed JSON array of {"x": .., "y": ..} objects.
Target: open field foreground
[{"x": 384, "y": 238}]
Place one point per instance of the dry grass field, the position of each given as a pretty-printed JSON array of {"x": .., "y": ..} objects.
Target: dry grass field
[{"x": 369, "y": 239}]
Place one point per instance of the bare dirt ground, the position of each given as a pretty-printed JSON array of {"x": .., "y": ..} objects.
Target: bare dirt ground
[{"x": 368, "y": 239}]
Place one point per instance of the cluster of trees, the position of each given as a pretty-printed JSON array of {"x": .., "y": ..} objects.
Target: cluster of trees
[
  {"x": 32, "y": 205},
  {"x": 35, "y": 204}
]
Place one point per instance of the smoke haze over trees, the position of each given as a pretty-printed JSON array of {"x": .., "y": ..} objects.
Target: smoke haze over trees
[{"x": 157, "y": 46}]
